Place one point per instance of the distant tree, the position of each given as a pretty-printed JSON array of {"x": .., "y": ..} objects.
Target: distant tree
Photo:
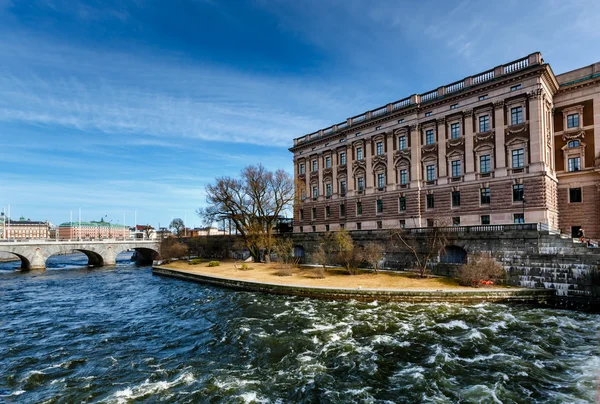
[
  {"x": 424, "y": 245},
  {"x": 171, "y": 248},
  {"x": 373, "y": 253},
  {"x": 178, "y": 227},
  {"x": 253, "y": 203}
]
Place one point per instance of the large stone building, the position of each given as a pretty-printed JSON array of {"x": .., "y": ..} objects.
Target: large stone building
[
  {"x": 513, "y": 144},
  {"x": 23, "y": 229},
  {"x": 92, "y": 230}
]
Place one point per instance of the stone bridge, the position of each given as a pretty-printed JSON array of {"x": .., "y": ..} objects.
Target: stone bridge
[{"x": 34, "y": 253}]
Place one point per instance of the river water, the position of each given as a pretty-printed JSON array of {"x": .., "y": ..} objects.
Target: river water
[{"x": 72, "y": 334}]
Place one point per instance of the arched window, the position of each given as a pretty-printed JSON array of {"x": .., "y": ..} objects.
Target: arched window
[{"x": 573, "y": 143}]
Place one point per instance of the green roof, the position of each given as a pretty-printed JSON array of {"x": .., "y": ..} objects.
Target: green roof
[{"x": 92, "y": 224}]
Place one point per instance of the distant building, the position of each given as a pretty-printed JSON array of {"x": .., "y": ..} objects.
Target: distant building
[
  {"x": 163, "y": 233},
  {"x": 143, "y": 232},
  {"x": 206, "y": 231},
  {"x": 92, "y": 230},
  {"x": 24, "y": 229},
  {"x": 512, "y": 144}
]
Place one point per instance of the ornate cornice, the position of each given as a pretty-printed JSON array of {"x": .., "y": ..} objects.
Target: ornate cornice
[
  {"x": 499, "y": 104},
  {"x": 516, "y": 129},
  {"x": 574, "y": 135},
  {"x": 381, "y": 159},
  {"x": 468, "y": 112},
  {"x": 453, "y": 143},
  {"x": 429, "y": 149},
  {"x": 357, "y": 165},
  {"x": 535, "y": 94},
  {"x": 483, "y": 136}
]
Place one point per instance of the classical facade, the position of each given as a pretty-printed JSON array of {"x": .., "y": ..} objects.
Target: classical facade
[
  {"x": 92, "y": 230},
  {"x": 509, "y": 145},
  {"x": 24, "y": 229}
]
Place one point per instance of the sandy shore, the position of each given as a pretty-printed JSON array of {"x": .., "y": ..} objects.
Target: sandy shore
[{"x": 334, "y": 277}]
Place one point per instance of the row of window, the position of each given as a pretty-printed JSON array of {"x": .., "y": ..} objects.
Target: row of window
[
  {"x": 518, "y": 218},
  {"x": 518, "y": 195}
]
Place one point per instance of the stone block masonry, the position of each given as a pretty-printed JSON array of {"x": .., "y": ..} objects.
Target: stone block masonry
[{"x": 537, "y": 259}]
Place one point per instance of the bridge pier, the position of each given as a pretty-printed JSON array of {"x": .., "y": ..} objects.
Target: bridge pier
[{"x": 37, "y": 260}]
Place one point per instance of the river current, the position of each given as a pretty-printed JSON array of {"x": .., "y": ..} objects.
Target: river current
[{"x": 119, "y": 334}]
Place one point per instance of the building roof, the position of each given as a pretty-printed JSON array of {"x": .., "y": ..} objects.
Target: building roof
[
  {"x": 92, "y": 224},
  {"x": 24, "y": 222}
]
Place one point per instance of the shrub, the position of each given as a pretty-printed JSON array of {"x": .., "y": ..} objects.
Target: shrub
[
  {"x": 285, "y": 271},
  {"x": 481, "y": 270},
  {"x": 214, "y": 264},
  {"x": 319, "y": 272},
  {"x": 195, "y": 261}
]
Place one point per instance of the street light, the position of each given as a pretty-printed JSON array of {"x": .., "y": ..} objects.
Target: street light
[{"x": 523, "y": 209}]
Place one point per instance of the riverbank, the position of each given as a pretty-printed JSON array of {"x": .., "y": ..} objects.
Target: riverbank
[{"x": 337, "y": 284}]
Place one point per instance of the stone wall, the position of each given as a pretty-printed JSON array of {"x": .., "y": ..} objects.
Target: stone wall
[{"x": 531, "y": 259}]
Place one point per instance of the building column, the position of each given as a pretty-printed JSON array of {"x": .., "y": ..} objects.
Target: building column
[
  {"x": 536, "y": 134},
  {"x": 442, "y": 163},
  {"x": 321, "y": 167},
  {"x": 368, "y": 168},
  {"x": 390, "y": 177},
  {"x": 415, "y": 156},
  {"x": 469, "y": 155},
  {"x": 596, "y": 105},
  {"x": 349, "y": 175},
  {"x": 334, "y": 178},
  {"x": 499, "y": 139}
]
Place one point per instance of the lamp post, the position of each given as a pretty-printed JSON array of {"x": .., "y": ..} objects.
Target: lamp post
[{"x": 523, "y": 209}]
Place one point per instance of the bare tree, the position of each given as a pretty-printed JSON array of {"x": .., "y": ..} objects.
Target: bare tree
[
  {"x": 345, "y": 252},
  {"x": 253, "y": 203},
  {"x": 373, "y": 253},
  {"x": 148, "y": 231},
  {"x": 424, "y": 244},
  {"x": 178, "y": 226}
]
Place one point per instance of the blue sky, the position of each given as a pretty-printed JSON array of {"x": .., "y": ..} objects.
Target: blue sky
[{"x": 118, "y": 107}]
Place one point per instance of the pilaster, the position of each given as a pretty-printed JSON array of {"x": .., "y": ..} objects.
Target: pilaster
[
  {"x": 349, "y": 174},
  {"x": 536, "y": 132},
  {"x": 415, "y": 156},
  {"x": 442, "y": 163},
  {"x": 389, "y": 146},
  {"x": 469, "y": 155},
  {"x": 500, "y": 150},
  {"x": 368, "y": 168},
  {"x": 321, "y": 167}
]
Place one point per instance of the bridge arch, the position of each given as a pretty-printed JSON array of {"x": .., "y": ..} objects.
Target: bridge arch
[
  {"x": 94, "y": 259},
  {"x": 145, "y": 256},
  {"x": 25, "y": 262}
]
